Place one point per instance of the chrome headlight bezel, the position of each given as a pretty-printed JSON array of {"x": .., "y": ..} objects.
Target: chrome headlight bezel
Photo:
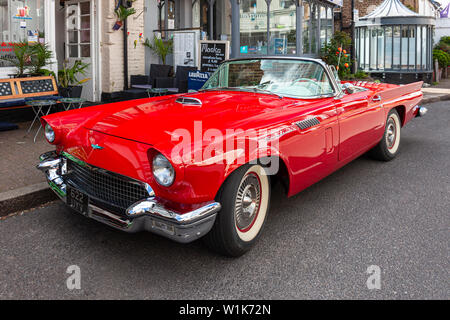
[
  {"x": 163, "y": 170},
  {"x": 49, "y": 133}
]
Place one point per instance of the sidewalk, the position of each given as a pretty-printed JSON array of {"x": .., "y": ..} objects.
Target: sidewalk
[
  {"x": 436, "y": 93},
  {"x": 22, "y": 186}
]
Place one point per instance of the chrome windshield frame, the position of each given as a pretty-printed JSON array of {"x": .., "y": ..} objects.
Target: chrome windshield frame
[{"x": 337, "y": 90}]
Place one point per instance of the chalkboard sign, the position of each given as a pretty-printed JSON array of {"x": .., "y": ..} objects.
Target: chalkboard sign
[{"x": 213, "y": 53}]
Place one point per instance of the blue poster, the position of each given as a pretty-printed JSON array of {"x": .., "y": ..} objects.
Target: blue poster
[{"x": 197, "y": 79}]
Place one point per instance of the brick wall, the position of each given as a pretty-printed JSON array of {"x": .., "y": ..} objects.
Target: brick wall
[{"x": 112, "y": 47}]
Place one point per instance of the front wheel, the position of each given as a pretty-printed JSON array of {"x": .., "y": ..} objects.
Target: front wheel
[
  {"x": 388, "y": 147},
  {"x": 245, "y": 198}
]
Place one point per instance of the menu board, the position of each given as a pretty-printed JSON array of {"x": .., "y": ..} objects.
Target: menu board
[
  {"x": 212, "y": 54},
  {"x": 184, "y": 48}
]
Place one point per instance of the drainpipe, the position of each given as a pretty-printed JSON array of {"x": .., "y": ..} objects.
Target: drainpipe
[
  {"x": 125, "y": 55},
  {"x": 353, "y": 35},
  {"x": 235, "y": 36}
]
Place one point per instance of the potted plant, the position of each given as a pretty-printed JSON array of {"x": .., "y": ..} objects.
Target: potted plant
[
  {"x": 41, "y": 37},
  {"x": 122, "y": 14},
  {"x": 68, "y": 83},
  {"x": 40, "y": 56},
  {"x": 160, "y": 47},
  {"x": 21, "y": 58}
]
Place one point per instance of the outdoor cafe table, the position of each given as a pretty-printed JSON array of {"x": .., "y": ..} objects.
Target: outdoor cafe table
[
  {"x": 74, "y": 103},
  {"x": 38, "y": 106},
  {"x": 161, "y": 91}
]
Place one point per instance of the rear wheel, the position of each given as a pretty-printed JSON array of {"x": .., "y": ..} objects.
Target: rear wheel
[
  {"x": 245, "y": 199},
  {"x": 389, "y": 145}
]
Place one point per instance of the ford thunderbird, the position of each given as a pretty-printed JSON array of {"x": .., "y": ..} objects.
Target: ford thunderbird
[{"x": 202, "y": 164}]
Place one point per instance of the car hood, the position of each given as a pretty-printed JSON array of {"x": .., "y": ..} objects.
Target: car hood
[{"x": 152, "y": 121}]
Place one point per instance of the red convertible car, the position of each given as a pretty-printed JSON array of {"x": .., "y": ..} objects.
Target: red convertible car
[{"x": 202, "y": 164}]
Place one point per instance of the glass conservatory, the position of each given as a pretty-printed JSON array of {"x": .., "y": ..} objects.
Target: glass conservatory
[{"x": 395, "y": 42}]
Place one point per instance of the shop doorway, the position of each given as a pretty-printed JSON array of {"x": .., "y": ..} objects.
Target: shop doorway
[{"x": 81, "y": 43}]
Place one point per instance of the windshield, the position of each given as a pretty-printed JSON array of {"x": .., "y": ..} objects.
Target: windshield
[{"x": 292, "y": 78}]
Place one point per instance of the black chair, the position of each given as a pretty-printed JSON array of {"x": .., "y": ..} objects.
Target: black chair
[
  {"x": 158, "y": 72},
  {"x": 181, "y": 78},
  {"x": 136, "y": 93}
]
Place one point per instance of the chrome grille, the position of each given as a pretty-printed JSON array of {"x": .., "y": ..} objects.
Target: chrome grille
[{"x": 108, "y": 187}]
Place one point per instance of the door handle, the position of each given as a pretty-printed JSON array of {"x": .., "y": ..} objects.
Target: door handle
[{"x": 376, "y": 98}]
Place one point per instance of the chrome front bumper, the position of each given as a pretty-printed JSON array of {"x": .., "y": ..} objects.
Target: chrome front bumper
[{"x": 144, "y": 215}]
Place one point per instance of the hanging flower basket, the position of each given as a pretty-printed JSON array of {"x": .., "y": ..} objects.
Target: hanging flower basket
[
  {"x": 122, "y": 14},
  {"x": 117, "y": 25}
]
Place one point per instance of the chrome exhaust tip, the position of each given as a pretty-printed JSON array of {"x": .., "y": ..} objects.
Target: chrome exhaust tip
[{"x": 421, "y": 111}]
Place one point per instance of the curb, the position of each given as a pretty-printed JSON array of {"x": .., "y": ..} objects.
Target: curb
[
  {"x": 25, "y": 198},
  {"x": 435, "y": 99}
]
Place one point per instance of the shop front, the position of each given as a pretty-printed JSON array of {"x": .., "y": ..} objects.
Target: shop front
[
  {"x": 254, "y": 27},
  {"x": 22, "y": 20},
  {"x": 281, "y": 27}
]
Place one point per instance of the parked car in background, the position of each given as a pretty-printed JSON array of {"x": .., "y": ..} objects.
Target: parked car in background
[{"x": 201, "y": 165}]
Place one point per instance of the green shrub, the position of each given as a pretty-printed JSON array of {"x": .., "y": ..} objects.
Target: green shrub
[
  {"x": 361, "y": 75},
  {"x": 445, "y": 40},
  {"x": 337, "y": 53},
  {"x": 442, "y": 57}
]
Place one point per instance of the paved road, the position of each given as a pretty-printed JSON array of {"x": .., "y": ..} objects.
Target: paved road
[{"x": 317, "y": 244}]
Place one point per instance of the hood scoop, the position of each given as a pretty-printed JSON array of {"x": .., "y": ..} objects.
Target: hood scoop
[{"x": 189, "y": 101}]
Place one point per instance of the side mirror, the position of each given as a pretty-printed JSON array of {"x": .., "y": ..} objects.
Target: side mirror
[{"x": 349, "y": 88}]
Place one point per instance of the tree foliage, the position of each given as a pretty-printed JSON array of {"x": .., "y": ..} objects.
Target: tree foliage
[{"x": 337, "y": 53}]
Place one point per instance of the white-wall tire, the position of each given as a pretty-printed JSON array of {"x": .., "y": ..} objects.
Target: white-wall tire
[
  {"x": 245, "y": 200},
  {"x": 387, "y": 149}
]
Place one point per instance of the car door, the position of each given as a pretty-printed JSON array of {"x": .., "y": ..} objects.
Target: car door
[
  {"x": 359, "y": 123},
  {"x": 313, "y": 151}
]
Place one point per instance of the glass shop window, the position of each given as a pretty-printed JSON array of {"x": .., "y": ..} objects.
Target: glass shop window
[
  {"x": 306, "y": 23},
  {"x": 247, "y": 6},
  {"x": 419, "y": 46},
  {"x": 412, "y": 48},
  {"x": 283, "y": 28},
  {"x": 323, "y": 26},
  {"x": 196, "y": 14},
  {"x": 396, "y": 52},
  {"x": 388, "y": 51},
  {"x": 329, "y": 23},
  {"x": 314, "y": 26},
  {"x": 373, "y": 48},
  {"x": 380, "y": 49},
  {"x": 20, "y": 21},
  {"x": 253, "y": 27},
  {"x": 424, "y": 47}
]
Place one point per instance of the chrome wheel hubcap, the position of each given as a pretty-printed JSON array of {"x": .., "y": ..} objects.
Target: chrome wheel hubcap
[
  {"x": 390, "y": 133},
  {"x": 247, "y": 202}
]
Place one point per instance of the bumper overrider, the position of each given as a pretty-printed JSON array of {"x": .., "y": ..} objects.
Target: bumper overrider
[{"x": 144, "y": 215}]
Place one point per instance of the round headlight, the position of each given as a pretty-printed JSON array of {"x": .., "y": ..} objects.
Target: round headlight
[
  {"x": 49, "y": 133},
  {"x": 163, "y": 170}
]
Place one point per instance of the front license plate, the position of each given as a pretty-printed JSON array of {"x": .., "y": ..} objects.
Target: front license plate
[{"x": 77, "y": 200}]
